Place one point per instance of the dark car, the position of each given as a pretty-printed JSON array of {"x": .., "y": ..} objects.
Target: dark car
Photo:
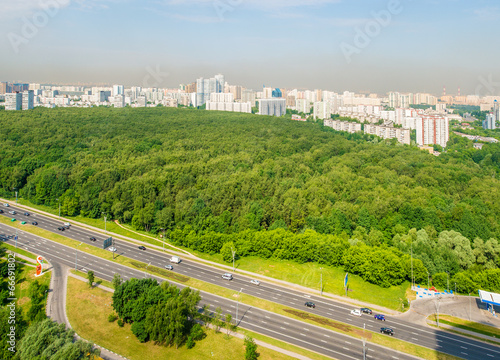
[
  {"x": 93, "y": 239},
  {"x": 310, "y": 304},
  {"x": 34, "y": 223},
  {"x": 26, "y": 214},
  {"x": 142, "y": 247},
  {"x": 387, "y": 331},
  {"x": 366, "y": 311},
  {"x": 1, "y": 211},
  {"x": 60, "y": 228},
  {"x": 65, "y": 227},
  {"x": 380, "y": 317}
]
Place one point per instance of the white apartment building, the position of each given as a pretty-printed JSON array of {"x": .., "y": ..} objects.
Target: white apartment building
[
  {"x": 13, "y": 101},
  {"x": 222, "y": 97},
  {"x": 321, "y": 110},
  {"x": 272, "y": 107},
  {"x": 28, "y": 99},
  {"x": 389, "y": 132},
  {"x": 230, "y": 106},
  {"x": 348, "y": 126},
  {"x": 432, "y": 129},
  {"x": 302, "y": 106}
]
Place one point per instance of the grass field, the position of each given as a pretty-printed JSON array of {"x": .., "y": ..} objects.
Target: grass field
[{"x": 88, "y": 311}]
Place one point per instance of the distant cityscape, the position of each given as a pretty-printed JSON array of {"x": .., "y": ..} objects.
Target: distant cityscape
[{"x": 390, "y": 117}]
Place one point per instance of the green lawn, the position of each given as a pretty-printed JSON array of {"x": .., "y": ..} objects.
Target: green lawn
[{"x": 88, "y": 311}]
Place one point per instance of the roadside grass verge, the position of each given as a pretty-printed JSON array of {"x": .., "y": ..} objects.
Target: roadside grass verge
[
  {"x": 24, "y": 280},
  {"x": 88, "y": 311},
  {"x": 307, "y": 275},
  {"x": 467, "y": 325},
  {"x": 259, "y": 303},
  {"x": 97, "y": 281}
]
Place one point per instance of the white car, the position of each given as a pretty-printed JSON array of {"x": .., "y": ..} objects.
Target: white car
[
  {"x": 227, "y": 276},
  {"x": 356, "y": 312},
  {"x": 113, "y": 249},
  {"x": 67, "y": 224},
  {"x": 6, "y": 205},
  {"x": 255, "y": 282}
]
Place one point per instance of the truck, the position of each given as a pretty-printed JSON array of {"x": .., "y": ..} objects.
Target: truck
[{"x": 175, "y": 259}]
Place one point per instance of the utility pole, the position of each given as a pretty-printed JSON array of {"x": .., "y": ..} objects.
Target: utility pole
[
  {"x": 234, "y": 253},
  {"x": 237, "y": 303},
  {"x": 76, "y": 256}
]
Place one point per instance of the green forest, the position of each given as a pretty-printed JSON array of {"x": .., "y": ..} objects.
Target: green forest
[{"x": 270, "y": 186}]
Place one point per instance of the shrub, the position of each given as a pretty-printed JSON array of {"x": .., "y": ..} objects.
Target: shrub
[{"x": 112, "y": 317}]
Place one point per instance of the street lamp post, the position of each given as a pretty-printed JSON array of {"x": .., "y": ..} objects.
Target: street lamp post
[
  {"x": 16, "y": 237},
  {"x": 237, "y": 303},
  {"x": 76, "y": 256},
  {"x": 428, "y": 280},
  {"x": 448, "y": 281},
  {"x": 437, "y": 313},
  {"x": 411, "y": 254},
  {"x": 234, "y": 253},
  {"x": 59, "y": 202},
  {"x": 163, "y": 239},
  {"x": 364, "y": 342},
  {"x": 16, "y": 196},
  {"x": 145, "y": 270}
]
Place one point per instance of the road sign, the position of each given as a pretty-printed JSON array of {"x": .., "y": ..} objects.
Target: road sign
[{"x": 107, "y": 243}]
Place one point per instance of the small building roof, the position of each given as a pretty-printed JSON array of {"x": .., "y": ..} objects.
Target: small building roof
[{"x": 489, "y": 297}]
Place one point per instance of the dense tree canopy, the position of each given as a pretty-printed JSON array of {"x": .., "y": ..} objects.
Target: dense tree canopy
[{"x": 286, "y": 188}]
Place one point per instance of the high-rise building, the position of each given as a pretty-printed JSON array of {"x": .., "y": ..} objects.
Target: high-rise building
[
  {"x": 489, "y": 123},
  {"x": 205, "y": 87},
  {"x": 3, "y": 88},
  {"x": 496, "y": 110},
  {"x": 267, "y": 93},
  {"x": 118, "y": 90},
  {"x": 248, "y": 96},
  {"x": 20, "y": 87},
  {"x": 273, "y": 107},
  {"x": 322, "y": 110},
  {"x": 13, "y": 101},
  {"x": 27, "y": 99},
  {"x": 432, "y": 130},
  {"x": 277, "y": 93}
]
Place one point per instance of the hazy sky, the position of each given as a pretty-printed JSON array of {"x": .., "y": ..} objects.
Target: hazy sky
[{"x": 357, "y": 45}]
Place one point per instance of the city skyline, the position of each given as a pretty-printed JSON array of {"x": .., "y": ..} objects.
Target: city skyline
[{"x": 361, "y": 46}]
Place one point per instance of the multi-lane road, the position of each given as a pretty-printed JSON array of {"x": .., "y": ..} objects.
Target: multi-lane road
[{"x": 420, "y": 335}]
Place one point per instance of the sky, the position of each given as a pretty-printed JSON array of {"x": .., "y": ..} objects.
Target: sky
[{"x": 372, "y": 46}]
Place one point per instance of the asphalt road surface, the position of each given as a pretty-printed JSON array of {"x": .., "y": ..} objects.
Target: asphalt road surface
[{"x": 413, "y": 333}]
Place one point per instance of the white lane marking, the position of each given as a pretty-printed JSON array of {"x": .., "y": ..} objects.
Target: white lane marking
[{"x": 302, "y": 334}]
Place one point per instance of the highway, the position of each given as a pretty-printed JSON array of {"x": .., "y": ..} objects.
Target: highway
[
  {"x": 307, "y": 336},
  {"x": 423, "y": 336}
]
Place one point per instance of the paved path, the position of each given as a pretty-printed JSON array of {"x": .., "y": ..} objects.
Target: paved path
[{"x": 463, "y": 307}]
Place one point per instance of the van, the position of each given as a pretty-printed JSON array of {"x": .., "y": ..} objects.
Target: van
[
  {"x": 227, "y": 276},
  {"x": 175, "y": 259}
]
